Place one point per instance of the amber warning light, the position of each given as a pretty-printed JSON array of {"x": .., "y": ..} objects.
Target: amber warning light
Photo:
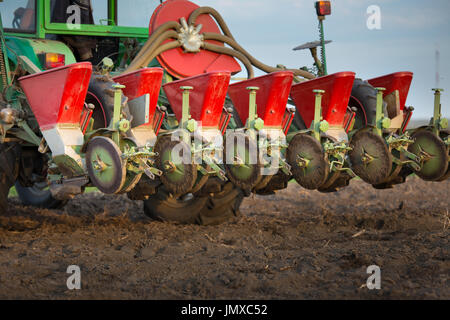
[
  {"x": 52, "y": 60},
  {"x": 323, "y": 8}
]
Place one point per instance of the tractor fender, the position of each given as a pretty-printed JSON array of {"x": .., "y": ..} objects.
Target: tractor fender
[{"x": 32, "y": 48}]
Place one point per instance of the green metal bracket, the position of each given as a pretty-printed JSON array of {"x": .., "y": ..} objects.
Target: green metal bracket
[
  {"x": 322, "y": 43},
  {"x": 116, "y": 120},
  {"x": 318, "y": 126},
  {"x": 186, "y": 122},
  {"x": 438, "y": 123},
  {"x": 381, "y": 123},
  {"x": 253, "y": 121},
  {"x": 338, "y": 151},
  {"x": 252, "y": 111}
]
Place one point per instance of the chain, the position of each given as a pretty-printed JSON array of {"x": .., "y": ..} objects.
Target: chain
[{"x": 3, "y": 68}]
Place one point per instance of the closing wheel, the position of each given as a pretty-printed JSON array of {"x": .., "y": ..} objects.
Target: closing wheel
[
  {"x": 370, "y": 157},
  {"x": 308, "y": 161},
  {"x": 433, "y": 155},
  {"x": 105, "y": 167},
  {"x": 243, "y": 166},
  {"x": 175, "y": 161}
]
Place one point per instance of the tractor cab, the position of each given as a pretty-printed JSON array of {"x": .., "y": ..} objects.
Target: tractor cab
[{"x": 91, "y": 30}]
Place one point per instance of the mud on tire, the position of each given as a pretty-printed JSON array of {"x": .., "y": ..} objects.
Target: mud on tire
[{"x": 210, "y": 209}]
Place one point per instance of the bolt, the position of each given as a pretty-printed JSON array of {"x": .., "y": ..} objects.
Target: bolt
[{"x": 258, "y": 124}]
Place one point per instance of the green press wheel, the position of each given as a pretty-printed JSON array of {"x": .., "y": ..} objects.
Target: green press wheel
[
  {"x": 242, "y": 167},
  {"x": 433, "y": 154},
  {"x": 370, "y": 157},
  {"x": 105, "y": 166},
  {"x": 179, "y": 175},
  {"x": 308, "y": 161}
]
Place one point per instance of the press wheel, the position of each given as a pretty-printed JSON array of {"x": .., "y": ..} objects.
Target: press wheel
[
  {"x": 179, "y": 175},
  {"x": 105, "y": 166},
  {"x": 433, "y": 154},
  {"x": 370, "y": 157},
  {"x": 242, "y": 162},
  {"x": 308, "y": 161}
]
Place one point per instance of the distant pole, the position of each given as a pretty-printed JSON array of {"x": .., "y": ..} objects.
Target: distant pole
[{"x": 437, "y": 60}]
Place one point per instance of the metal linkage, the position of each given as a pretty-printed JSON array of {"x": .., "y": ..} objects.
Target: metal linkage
[
  {"x": 206, "y": 153},
  {"x": 338, "y": 152}
]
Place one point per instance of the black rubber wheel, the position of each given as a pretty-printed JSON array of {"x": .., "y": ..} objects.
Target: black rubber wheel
[
  {"x": 222, "y": 206},
  {"x": 8, "y": 172},
  {"x": 38, "y": 196},
  {"x": 163, "y": 207},
  {"x": 101, "y": 95},
  {"x": 364, "y": 99}
]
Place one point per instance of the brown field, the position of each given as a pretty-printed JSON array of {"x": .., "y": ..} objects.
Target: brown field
[{"x": 295, "y": 245}]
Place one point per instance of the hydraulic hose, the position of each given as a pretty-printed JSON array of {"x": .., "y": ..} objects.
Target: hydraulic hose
[
  {"x": 157, "y": 52},
  {"x": 229, "y": 39},
  {"x": 232, "y": 43},
  {"x": 170, "y": 30},
  {"x": 231, "y": 52},
  {"x": 149, "y": 48},
  {"x": 208, "y": 10},
  {"x": 162, "y": 32}
]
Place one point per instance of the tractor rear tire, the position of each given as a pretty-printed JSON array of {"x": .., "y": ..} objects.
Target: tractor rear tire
[
  {"x": 364, "y": 99},
  {"x": 8, "y": 172},
  {"x": 166, "y": 208},
  {"x": 204, "y": 210},
  {"x": 221, "y": 207},
  {"x": 101, "y": 95}
]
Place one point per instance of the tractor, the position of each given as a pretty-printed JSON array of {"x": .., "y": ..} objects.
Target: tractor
[{"x": 152, "y": 112}]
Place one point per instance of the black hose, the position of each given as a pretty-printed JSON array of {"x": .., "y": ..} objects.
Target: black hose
[
  {"x": 139, "y": 60},
  {"x": 231, "y": 52},
  {"x": 258, "y": 64},
  {"x": 208, "y": 10},
  {"x": 229, "y": 39}
]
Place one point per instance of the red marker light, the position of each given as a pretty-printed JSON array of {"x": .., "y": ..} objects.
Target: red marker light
[{"x": 323, "y": 8}]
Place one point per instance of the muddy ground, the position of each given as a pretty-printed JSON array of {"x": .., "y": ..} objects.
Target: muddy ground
[{"x": 295, "y": 245}]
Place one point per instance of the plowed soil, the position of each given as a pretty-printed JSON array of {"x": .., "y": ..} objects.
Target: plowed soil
[{"x": 294, "y": 245}]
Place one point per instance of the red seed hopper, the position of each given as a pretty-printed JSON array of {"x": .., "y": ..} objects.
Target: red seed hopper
[
  {"x": 400, "y": 81},
  {"x": 141, "y": 82},
  {"x": 271, "y": 98},
  {"x": 337, "y": 87},
  {"x": 57, "y": 96},
  {"x": 207, "y": 99}
]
